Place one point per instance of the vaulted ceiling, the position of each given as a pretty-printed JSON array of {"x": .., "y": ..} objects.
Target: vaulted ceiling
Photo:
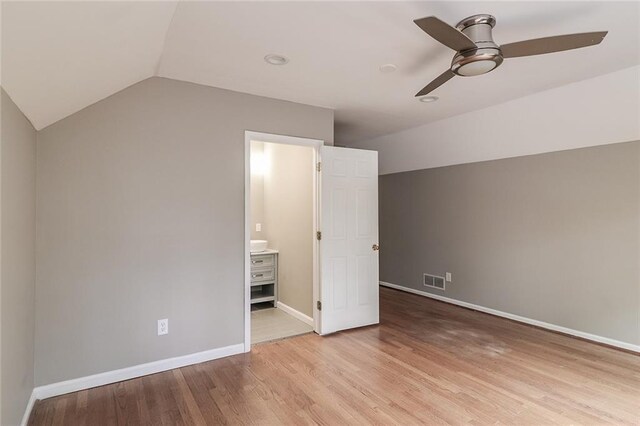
[{"x": 59, "y": 57}]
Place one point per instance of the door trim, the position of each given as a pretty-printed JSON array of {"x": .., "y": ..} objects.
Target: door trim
[{"x": 316, "y": 144}]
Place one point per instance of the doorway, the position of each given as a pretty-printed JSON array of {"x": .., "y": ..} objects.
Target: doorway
[
  {"x": 281, "y": 221},
  {"x": 343, "y": 236}
]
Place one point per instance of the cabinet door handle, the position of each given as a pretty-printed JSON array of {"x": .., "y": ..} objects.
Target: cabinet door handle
[
  {"x": 257, "y": 261},
  {"x": 256, "y": 275}
]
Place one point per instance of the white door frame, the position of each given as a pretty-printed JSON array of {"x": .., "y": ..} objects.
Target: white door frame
[{"x": 316, "y": 144}]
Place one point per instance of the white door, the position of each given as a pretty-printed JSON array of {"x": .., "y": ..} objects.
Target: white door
[{"x": 349, "y": 243}]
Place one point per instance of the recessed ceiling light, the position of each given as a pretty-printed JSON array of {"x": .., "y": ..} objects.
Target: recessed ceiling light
[
  {"x": 387, "y": 68},
  {"x": 427, "y": 99},
  {"x": 275, "y": 59}
]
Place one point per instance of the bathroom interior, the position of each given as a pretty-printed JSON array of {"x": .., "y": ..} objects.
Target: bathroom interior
[{"x": 282, "y": 238}]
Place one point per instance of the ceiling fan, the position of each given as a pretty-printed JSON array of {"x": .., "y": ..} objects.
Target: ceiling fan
[{"x": 478, "y": 54}]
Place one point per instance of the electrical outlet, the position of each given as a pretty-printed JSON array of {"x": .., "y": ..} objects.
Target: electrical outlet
[
  {"x": 448, "y": 276},
  {"x": 163, "y": 327},
  {"x": 258, "y": 227}
]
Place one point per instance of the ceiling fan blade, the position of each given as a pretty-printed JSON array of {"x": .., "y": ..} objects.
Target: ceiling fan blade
[
  {"x": 439, "y": 81},
  {"x": 445, "y": 33},
  {"x": 544, "y": 45}
]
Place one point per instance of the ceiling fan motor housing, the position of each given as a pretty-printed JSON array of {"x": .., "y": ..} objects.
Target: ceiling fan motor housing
[{"x": 487, "y": 56}]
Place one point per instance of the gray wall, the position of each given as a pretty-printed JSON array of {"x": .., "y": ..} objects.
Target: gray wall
[
  {"x": 288, "y": 215},
  {"x": 553, "y": 237},
  {"x": 141, "y": 217},
  {"x": 18, "y": 260}
]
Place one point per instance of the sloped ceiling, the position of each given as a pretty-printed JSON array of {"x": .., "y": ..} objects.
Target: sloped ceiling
[{"x": 59, "y": 57}]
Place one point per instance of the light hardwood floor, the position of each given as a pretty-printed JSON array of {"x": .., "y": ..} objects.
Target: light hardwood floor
[{"x": 426, "y": 363}]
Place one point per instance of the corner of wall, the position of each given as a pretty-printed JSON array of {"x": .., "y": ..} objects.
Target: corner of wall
[{"x": 17, "y": 283}]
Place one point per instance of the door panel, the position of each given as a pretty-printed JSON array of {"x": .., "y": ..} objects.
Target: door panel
[{"x": 349, "y": 224}]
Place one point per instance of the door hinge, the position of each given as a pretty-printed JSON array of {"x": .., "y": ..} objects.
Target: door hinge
[
  {"x": 318, "y": 235},
  {"x": 319, "y": 166},
  {"x": 319, "y": 305}
]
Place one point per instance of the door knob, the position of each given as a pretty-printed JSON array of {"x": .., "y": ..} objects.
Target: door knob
[{"x": 375, "y": 247}]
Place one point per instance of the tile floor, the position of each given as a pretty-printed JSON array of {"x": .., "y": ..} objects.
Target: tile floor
[{"x": 273, "y": 324}]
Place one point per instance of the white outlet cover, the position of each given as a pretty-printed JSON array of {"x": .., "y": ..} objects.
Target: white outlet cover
[
  {"x": 448, "y": 276},
  {"x": 163, "y": 326},
  {"x": 258, "y": 227}
]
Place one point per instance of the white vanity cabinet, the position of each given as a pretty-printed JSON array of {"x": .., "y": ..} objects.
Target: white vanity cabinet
[{"x": 264, "y": 277}]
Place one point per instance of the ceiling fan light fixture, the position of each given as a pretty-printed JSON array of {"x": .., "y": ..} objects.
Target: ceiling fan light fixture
[
  {"x": 477, "y": 53},
  {"x": 468, "y": 64},
  {"x": 476, "y": 68}
]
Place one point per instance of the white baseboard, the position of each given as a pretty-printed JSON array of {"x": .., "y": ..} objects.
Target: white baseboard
[
  {"x": 296, "y": 314},
  {"x": 541, "y": 324},
  {"x": 140, "y": 370},
  {"x": 27, "y": 411}
]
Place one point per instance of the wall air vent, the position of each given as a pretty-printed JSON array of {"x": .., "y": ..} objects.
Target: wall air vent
[{"x": 433, "y": 281}]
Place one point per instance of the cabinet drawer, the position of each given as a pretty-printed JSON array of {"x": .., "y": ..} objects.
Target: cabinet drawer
[
  {"x": 260, "y": 275},
  {"x": 262, "y": 261}
]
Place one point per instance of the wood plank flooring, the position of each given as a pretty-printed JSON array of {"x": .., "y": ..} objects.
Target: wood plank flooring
[{"x": 426, "y": 363}]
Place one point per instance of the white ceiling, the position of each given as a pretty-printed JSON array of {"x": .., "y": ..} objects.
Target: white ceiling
[{"x": 59, "y": 57}]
